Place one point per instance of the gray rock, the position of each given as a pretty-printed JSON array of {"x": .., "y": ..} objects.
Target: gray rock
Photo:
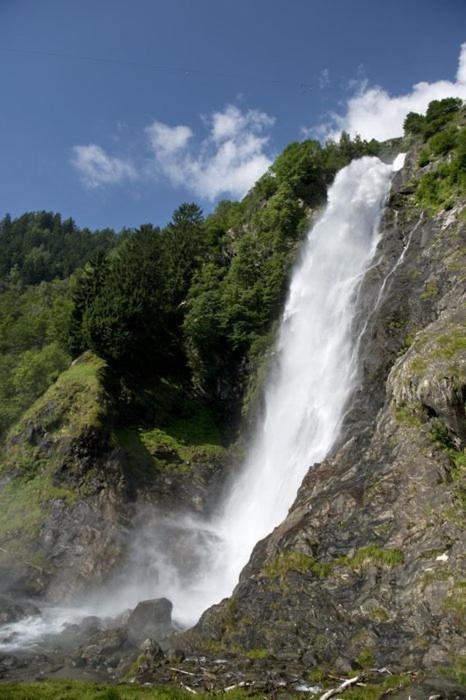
[
  {"x": 13, "y": 610},
  {"x": 152, "y": 651},
  {"x": 150, "y": 619}
]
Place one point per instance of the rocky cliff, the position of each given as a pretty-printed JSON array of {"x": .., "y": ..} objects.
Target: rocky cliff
[
  {"x": 368, "y": 568},
  {"x": 73, "y": 485}
]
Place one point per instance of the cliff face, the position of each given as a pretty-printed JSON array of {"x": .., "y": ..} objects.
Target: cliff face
[
  {"x": 368, "y": 567},
  {"x": 72, "y": 485}
]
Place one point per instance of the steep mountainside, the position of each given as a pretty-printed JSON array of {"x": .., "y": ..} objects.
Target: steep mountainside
[{"x": 368, "y": 568}]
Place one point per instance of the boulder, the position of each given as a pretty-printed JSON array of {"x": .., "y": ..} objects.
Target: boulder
[{"x": 151, "y": 619}]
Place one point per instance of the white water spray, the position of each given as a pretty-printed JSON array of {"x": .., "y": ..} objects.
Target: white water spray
[{"x": 196, "y": 564}]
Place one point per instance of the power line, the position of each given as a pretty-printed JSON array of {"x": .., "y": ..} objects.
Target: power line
[{"x": 187, "y": 72}]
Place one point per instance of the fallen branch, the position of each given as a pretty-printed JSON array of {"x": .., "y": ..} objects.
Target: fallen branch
[
  {"x": 208, "y": 674},
  {"x": 181, "y": 670},
  {"x": 343, "y": 686},
  {"x": 190, "y": 690},
  {"x": 242, "y": 684},
  {"x": 382, "y": 670}
]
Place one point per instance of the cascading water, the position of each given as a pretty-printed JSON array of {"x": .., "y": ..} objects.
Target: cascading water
[
  {"x": 312, "y": 381},
  {"x": 196, "y": 564}
]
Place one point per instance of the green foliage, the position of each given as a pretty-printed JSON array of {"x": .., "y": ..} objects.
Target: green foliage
[
  {"x": 33, "y": 326},
  {"x": 439, "y": 114},
  {"x": 365, "y": 658},
  {"x": 414, "y": 124},
  {"x": 38, "y": 253},
  {"x": 74, "y": 402},
  {"x": 37, "y": 370},
  {"x": 41, "y": 246},
  {"x": 406, "y": 415},
  {"x": 443, "y": 142},
  {"x": 128, "y": 307},
  {"x": 444, "y": 135},
  {"x": 439, "y": 434},
  {"x": 119, "y": 303}
]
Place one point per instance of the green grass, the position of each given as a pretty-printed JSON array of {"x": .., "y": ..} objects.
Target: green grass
[
  {"x": 456, "y": 669},
  {"x": 372, "y": 554},
  {"x": 405, "y": 415},
  {"x": 450, "y": 345},
  {"x": 375, "y": 691},
  {"x": 72, "y": 403},
  {"x": 176, "y": 444},
  {"x": 430, "y": 291},
  {"x": 257, "y": 654},
  {"x": 76, "y": 690},
  {"x": 178, "y": 431},
  {"x": 296, "y": 561},
  {"x": 455, "y": 601},
  {"x": 305, "y": 564}
]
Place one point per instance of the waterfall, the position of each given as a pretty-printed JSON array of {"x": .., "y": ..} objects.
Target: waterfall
[
  {"x": 307, "y": 390},
  {"x": 313, "y": 378},
  {"x": 197, "y": 563}
]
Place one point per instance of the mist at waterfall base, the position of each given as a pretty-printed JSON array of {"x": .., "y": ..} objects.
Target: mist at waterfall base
[{"x": 195, "y": 563}]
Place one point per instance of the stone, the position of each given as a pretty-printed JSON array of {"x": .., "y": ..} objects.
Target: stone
[
  {"x": 152, "y": 650},
  {"x": 150, "y": 619},
  {"x": 14, "y": 610}
]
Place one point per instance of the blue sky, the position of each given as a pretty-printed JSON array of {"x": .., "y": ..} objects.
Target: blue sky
[{"x": 114, "y": 112}]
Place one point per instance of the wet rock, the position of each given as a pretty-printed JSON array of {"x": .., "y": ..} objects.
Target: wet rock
[
  {"x": 150, "y": 619},
  {"x": 90, "y": 624},
  {"x": 102, "y": 646},
  {"x": 13, "y": 610}
]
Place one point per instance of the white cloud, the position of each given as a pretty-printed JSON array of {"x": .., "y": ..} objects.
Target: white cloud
[
  {"x": 168, "y": 139},
  {"x": 97, "y": 168},
  {"x": 373, "y": 113},
  {"x": 227, "y": 161}
]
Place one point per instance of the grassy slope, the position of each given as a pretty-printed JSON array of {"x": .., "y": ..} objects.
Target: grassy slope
[{"x": 72, "y": 404}]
